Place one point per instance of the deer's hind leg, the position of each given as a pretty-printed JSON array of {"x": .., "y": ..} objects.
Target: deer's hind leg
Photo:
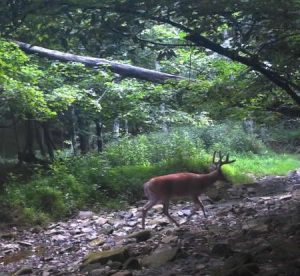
[{"x": 146, "y": 208}]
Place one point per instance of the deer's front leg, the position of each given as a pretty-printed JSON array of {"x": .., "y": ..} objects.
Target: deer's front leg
[{"x": 197, "y": 204}]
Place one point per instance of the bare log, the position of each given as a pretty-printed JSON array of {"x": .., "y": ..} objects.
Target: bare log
[{"x": 125, "y": 70}]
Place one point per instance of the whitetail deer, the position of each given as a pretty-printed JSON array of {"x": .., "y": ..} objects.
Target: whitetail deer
[{"x": 161, "y": 189}]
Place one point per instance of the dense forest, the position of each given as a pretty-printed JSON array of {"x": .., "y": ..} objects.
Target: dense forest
[{"x": 98, "y": 97}]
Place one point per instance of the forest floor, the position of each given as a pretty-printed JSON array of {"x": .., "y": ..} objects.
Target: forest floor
[{"x": 253, "y": 230}]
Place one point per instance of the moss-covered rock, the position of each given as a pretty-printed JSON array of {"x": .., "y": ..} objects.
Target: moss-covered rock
[{"x": 102, "y": 257}]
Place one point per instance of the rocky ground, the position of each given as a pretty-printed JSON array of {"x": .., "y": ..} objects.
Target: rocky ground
[{"x": 253, "y": 230}]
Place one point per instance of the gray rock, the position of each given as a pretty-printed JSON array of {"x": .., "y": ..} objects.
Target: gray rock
[
  {"x": 140, "y": 236},
  {"x": 160, "y": 257},
  {"x": 222, "y": 250},
  {"x": 240, "y": 264},
  {"x": 85, "y": 214},
  {"x": 100, "y": 272},
  {"x": 132, "y": 263},
  {"x": 122, "y": 273}
]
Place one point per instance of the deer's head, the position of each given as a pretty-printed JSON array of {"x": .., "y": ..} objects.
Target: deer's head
[{"x": 219, "y": 163}]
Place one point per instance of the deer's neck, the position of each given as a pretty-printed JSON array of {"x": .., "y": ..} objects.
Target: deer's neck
[{"x": 212, "y": 177}]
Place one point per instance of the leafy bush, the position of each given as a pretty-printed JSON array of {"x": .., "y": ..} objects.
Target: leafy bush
[
  {"x": 230, "y": 137},
  {"x": 47, "y": 200},
  {"x": 182, "y": 144},
  {"x": 154, "y": 148}
]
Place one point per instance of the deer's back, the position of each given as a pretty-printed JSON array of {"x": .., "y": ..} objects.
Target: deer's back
[{"x": 174, "y": 185}]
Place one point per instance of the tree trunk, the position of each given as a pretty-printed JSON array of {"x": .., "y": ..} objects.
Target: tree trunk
[
  {"x": 99, "y": 126},
  {"x": 39, "y": 139},
  {"x": 27, "y": 155},
  {"x": 73, "y": 130},
  {"x": 48, "y": 141},
  {"x": 15, "y": 129},
  {"x": 116, "y": 128},
  {"x": 163, "y": 116},
  {"x": 82, "y": 134},
  {"x": 126, "y": 127}
]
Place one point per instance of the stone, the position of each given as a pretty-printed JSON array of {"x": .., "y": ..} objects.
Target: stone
[
  {"x": 107, "y": 230},
  {"x": 244, "y": 270},
  {"x": 294, "y": 174},
  {"x": 85, "y": 214},
  {"x": 255, "y": 228},
  {"x": 251, "y": 190},
  {"x": 8, "y": 235},
  {"x": 199, "y": 267},
  {"x": 24, "y": 243},
  {"x": 122, "y": 273},
  {"x": 296, "y": 187},
  {"x": 283, "y": 250},
  {"x": 24, "y": 271},
  {"x": 114, "y": 265},
  {"x": 102, "y": 257},
  {"x": 160, "y": 257},
  {"x": 132, "y": 223},
  {"x": 222, "y": 250},
  {"x": 140, "y": 236},
  {"x": 169, "y": 239},
  {"x": 132, "y": 263},
  {"x": 240, "y": 264},
  {"x": 296, "y": 192},
  {"x": 97, "y": 242},
  {"x": 285, "y": 197},
  {"x": 99, "y": 272},
  {"x": 101, "y": 221},
  {"x": 60, "y": 237}
]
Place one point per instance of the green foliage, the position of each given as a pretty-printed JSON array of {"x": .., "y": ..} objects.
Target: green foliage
[
  {"x": 39, "y": 90},
  {"x": 19, "y": 82},
  {"x": 284, "y": 137}
]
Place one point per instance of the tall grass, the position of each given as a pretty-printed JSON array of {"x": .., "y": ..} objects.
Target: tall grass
[{"x": 250, "y": 167}]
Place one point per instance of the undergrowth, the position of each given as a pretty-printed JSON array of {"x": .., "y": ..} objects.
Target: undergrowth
[{"x": 115, "y": 177}]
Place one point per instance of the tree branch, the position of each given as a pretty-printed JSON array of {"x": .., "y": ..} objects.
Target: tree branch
[
  {"x": 290, "y": 88},
  {"x": 280, "y": 81},
  {"x": 161, "y": 43}
]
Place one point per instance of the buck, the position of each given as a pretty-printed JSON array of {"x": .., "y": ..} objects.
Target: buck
[{"x": 161, "y": 189}]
